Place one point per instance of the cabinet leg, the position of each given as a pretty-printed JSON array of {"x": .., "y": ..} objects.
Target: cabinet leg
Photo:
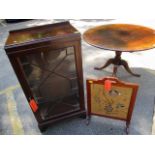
[
  {"x": 84, "y": 116},
  {"x": 42, "y": 128}
]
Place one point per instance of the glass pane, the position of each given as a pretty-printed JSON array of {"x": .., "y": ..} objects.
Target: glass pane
[{"x": 52, "y": 79}]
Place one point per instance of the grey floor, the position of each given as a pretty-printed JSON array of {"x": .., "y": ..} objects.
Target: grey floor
[{"x": 17, "y": 118}]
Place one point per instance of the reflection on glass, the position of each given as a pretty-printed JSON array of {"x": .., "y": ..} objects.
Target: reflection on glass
[{"x": 53, "y": 80}]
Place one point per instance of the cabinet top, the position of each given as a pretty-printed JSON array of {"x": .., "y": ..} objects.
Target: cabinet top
[{"x": 28, "y": 35}]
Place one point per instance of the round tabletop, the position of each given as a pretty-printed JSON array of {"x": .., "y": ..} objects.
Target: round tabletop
[{"x": 121, "y": 37}]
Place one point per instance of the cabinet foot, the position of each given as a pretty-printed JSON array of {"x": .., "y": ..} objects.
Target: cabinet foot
[{"x": 43, "y": 128}]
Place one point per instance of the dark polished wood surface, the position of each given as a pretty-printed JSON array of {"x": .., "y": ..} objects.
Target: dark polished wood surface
[
  {"x": 121, "y": 37},
  {"x": 40, "y": 32},
  {"x": 48, "y": 63}
]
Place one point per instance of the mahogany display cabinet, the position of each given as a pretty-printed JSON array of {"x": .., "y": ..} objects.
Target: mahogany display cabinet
[{"x": 48, "y": 63}]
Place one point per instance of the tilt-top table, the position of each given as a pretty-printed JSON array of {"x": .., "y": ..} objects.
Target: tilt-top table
[{"x": 120, "y": 38}]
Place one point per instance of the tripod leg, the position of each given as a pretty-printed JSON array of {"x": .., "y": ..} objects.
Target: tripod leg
[
  {"x": 109, "y": 62},
  {"x": 115, "y": 70},
  {"x": 126, "y": 66}
]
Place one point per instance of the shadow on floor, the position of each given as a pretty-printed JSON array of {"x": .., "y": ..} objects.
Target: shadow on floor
[{"x": 141, "y": 122}]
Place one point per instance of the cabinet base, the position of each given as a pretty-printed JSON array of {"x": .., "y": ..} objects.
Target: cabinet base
[{"x": 47, "y": 123}]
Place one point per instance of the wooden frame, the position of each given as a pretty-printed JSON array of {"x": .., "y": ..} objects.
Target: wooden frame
[
  {"x": 15, "y": 51},
  {"x": 95, "y": 105}
]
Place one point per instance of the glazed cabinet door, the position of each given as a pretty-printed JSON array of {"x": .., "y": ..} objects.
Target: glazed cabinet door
[{"x": 52, "y": 79}]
